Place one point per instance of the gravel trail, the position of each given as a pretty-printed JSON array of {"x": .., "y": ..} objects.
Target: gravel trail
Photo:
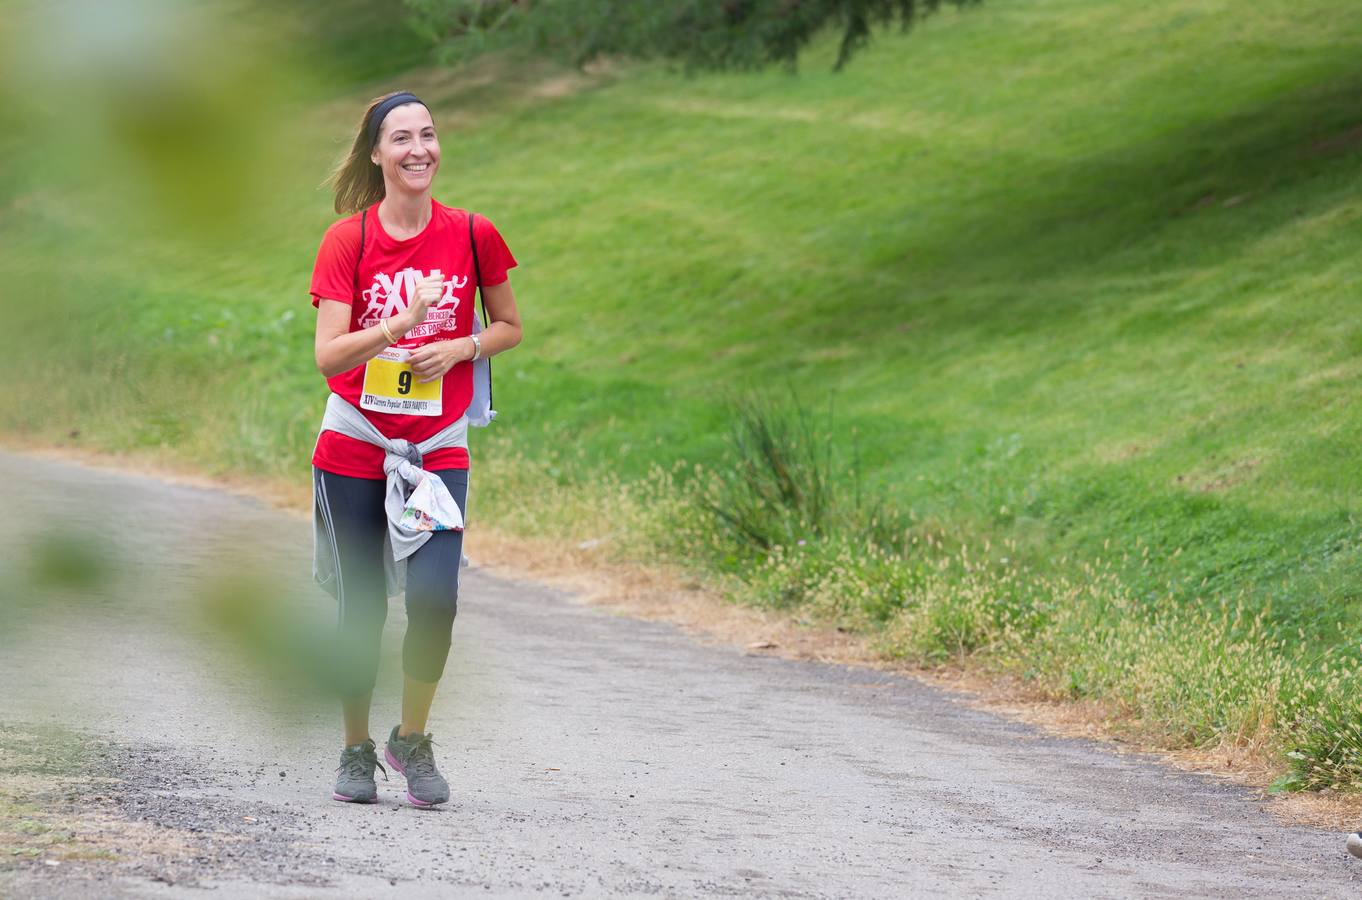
[{"x": 589, "y": 755}]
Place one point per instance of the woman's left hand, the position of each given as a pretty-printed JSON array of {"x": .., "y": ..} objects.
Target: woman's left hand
[{"x": 431, "y": 362}]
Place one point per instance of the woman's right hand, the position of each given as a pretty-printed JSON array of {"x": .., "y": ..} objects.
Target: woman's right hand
[{"x": 429, "y": 291}]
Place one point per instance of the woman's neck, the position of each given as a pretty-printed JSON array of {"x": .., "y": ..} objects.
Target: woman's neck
[{"x": 404, "y": 216}]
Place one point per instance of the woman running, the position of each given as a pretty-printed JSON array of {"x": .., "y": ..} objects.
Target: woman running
[{"x": 398, "y": 342}]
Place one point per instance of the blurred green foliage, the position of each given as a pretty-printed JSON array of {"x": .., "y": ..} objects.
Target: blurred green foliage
[{"x": 69, "y": 561}]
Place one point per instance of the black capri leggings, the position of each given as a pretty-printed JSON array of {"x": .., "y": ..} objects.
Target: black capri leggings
[{"x": 352, "y": 513}]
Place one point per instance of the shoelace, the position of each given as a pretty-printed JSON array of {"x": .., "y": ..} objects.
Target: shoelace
[
  {"x": 421, "y": 759},
  {"x": 357, "y": 764}
]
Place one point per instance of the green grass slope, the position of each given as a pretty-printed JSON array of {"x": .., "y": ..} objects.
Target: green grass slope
[{"x": 1080, "y": 277}]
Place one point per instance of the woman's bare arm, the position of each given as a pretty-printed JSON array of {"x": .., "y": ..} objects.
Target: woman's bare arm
[
  {"x": 504, "y": 332},
  {"x": 338, "y": 349}
]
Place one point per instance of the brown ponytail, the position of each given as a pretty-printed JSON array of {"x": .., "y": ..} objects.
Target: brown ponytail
[{"x": 356, "y": 181}]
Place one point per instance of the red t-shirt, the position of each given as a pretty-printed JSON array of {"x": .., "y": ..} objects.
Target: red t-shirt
[{"x": 388, "y": 272}]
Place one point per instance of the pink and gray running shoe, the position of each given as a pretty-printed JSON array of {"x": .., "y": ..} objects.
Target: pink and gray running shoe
[
  {"x": 413, "y": 757},
  {"x": 355, "y": 775}
]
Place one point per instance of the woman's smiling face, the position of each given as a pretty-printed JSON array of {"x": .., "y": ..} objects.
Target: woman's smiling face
[{"x": 408, "y": 151}]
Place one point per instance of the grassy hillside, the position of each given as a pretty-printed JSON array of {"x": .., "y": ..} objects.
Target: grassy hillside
[{"x": 1080, "y": 278}]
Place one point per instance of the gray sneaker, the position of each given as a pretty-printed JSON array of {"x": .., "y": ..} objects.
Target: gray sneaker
[
  {"x": 413, "y": 757},
  {"x": 1355, "y": 843},
  {"x": 355, "y": 776}
]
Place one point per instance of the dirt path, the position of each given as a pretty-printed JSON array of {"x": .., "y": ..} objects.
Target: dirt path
[{"x": 590, "y": 755}]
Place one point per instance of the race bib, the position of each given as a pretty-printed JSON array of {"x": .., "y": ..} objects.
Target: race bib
[{"x": 390, "y": 386}]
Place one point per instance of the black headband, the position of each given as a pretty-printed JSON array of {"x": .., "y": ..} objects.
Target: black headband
[{"x": 382, "y": 110}]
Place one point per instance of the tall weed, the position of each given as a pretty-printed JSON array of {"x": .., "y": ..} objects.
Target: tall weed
[{"x": 779, "y": 488}]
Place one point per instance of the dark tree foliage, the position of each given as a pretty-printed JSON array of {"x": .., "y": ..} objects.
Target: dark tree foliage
[{"x": 704, "y": 34}]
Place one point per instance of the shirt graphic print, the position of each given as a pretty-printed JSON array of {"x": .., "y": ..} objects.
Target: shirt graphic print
[{"x": 392, "y": 294}]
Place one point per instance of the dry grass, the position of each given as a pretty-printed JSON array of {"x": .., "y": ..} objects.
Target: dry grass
[
  {"x": 662, "y": 593},
  {"x": 36, "y": 824}
]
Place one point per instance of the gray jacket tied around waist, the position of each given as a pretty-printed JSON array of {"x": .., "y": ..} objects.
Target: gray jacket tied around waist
[{"x": 409, "y": 527}]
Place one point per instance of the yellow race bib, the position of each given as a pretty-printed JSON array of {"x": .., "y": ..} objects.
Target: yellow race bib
[{"x": 390, "y": 386}]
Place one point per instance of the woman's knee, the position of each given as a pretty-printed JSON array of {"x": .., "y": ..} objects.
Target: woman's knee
[
  {"x": 426, "y": 646},
  {"x": 433, "y": 601}
]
